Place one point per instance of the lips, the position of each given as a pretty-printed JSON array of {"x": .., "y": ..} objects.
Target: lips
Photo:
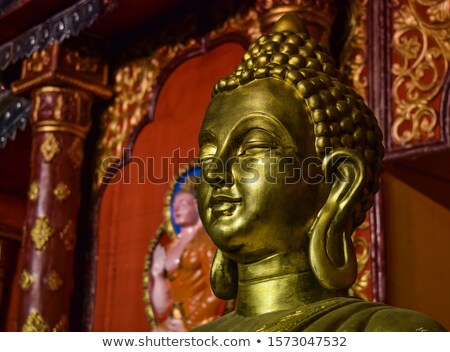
[{"x": 224, "y": 205}]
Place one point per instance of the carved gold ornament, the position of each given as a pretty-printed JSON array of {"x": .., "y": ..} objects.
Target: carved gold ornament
[
  {"x": 61, "y": 191},
  {"x": 421, "y": 50},
  {"x": 57, "y": 114},
  {"x": 25, "y": 280},
  {"x": 49, "y": 148},
  {"x": 78, "y": 63},
  {"x": 135, "y": 86},
  {"x": 354, "y": 53},
  {"x": 33, "y": 191},
  {"x": 54, "y": 281},
  {"x": 41, "y": 232},
  {"x": 75, "y": 153},
  {"x": 39, "y": 60},
  {"x": 35, "y": 323}
]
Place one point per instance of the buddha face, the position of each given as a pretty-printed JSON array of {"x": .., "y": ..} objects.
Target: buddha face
[
  {"x": 252, "y": 141},
  {"x": 185, "y": 211}
]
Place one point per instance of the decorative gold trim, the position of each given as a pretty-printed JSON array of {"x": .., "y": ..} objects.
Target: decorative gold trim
[
  {"x": 60, "y": 126},
  {"x": 62, "y": 90},
  {"x": 41, "y": 232},
  {"x": 54, "y": 281},
  {"x": 25, "y": 280},
  {"x": 354, "y": 53},
  {"x": 22, "y": 86},
  {"x": 247, "y": 24},
  {"x": 19, "y": 87},
  {"x": 38, "y": 61},
  {"x": 49, "y": 148},
  {"x": 421, "y": 50},
  {"x": 36, "y": 106},
  {"x": 33, "y": 192},
  {"x": 82, "y": 64},
  {"x": 58, "y": 108},
  {"x": 35, "y": 323},
  {"x": 61, "y": 191}
]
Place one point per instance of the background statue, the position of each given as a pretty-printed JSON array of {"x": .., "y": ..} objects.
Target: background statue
[
  {"x": 180, "y": 293},
  {"x": 291, "y": 159}
]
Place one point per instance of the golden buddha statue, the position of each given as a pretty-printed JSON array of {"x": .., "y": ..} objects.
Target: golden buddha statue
[{"x": 291, "y": 159}]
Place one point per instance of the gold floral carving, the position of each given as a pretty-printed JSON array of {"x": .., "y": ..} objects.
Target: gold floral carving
[
  {"x": 33, "y": 191},
  {"x": 135, "y": 87},
  {"x": 38, "y": 60},
  {"x": 25, "y": 280},
  {"x": 362, "y": 256},
  {"x": 82, "y": 64},
  {"x": 75, "y": 153},
  {"x": 61, "y": 191},
  {"x": 35, "y": 323},
  {"x": 49, "y": 148},
  {"x": 246, "y": 24},
  {"x": 54, "y": 281},
  {"x": 67, "y": 235},
  {"x": 439, "y": 11},
  {"x": 62, "y": 325},
  {"x": 41, "y": 232},
  {"x": 421, "y": 43},
  {"x": 354, "y": 53}
]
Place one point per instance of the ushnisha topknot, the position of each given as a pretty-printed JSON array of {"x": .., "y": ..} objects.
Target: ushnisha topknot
[{"x": 340, "y": 117}]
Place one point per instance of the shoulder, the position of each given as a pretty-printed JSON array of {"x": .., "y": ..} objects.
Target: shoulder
[{"x": 399, "y": 319}]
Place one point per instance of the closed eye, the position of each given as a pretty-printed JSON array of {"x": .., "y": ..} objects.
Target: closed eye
[
  {"x": 256, "y": 141},
  {"x": 256, "y": 147}
]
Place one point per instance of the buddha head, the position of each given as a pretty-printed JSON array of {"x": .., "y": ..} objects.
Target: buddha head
[
  {"x": 185, "y": 211},
  {"x": 291, "y": 158}
]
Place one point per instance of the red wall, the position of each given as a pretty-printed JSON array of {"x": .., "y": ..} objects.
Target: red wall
[{"x": 130, "y": 213}]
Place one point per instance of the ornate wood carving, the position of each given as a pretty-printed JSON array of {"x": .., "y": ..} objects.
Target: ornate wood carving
[
  {"x": 60, "y": 119},
  {"x": 420, "y": 58},
  {"x": 59, "y": 65},
  {"x": 413, "y": 95}
]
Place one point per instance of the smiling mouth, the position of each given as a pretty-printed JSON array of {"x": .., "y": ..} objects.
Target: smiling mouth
[{"x": 224, "y": 206}]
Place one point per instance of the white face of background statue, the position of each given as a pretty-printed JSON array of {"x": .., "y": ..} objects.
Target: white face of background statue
[{"x": 185, "y": 211}]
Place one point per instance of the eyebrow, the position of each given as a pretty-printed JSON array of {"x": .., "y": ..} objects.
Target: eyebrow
[
  {"x": 263, "y": 123},
  {"x": 262, "y": 130}
]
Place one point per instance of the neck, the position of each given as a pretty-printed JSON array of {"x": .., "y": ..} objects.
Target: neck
[{"x": 280, "y": 282}]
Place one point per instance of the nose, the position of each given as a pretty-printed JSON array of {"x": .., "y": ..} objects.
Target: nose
[{"x": 216, "y": 173}]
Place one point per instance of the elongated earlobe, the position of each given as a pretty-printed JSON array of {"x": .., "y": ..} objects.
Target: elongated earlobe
[
  {"x": 332, "y": 255},
  {"x": 224, "y": 278}
]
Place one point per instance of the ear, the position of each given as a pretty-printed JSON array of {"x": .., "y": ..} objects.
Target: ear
[
  {"x": 331, "y": 251},
  {"x": 224, "y": 278}
]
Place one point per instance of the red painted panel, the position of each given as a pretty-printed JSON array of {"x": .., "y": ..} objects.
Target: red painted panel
[{"x": 130, "y": 212}]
